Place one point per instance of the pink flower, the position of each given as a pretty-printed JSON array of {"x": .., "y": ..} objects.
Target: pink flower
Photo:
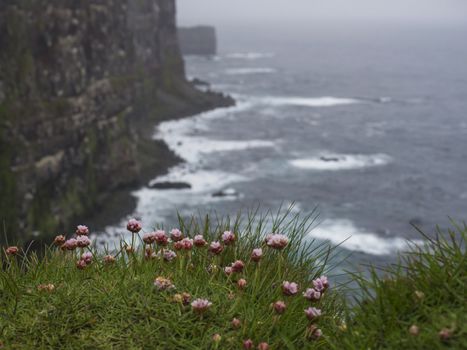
[
  {"x": 289, "y": 288},
  {"x": 241, "y": 283},
  {"x": 81, "y": 264},
  {"x": 200, "y": 305},
  {"x": 314, "y": 332},
  {"x": 87, "y": 257},
  {"x": 263, "y": 346},
  {"x": 109, "y": 259},
  {"x": 321, "y": 284},
  {"x": 163, "y": 284},
  {"x": 187, "y": 243},
  {"x": 82, "y": 230},
  {"x": 279, "y": 307},
  {"x": 160, "y": 237},
  {"x": 133, "y": 226},
  {"x": 248, "y": 344},
  {"x": 277, "y": 241},
  {"x": 228, "y": 237},
  {"x": 238, "y": 266},
  {"x": 312, "y": 313},
  {"x": 199, "y": 241},
  {"x": 228, "y": 270},
  {"x": 216, "y": 338},
  {"x": 83, "y": 241},
  {"x": 169, "y": 255},
  {"x": 257, "y": 254},
  {"x": 70, "y": 244},
  {"x": 176, "y": 235},
  {"x": 12, "y": 251},
  {"x": 236, "y": 323},
  {"x": 59, "y": 240},
  {"x": 216, "y": 248},
  {"x": 149, "y": 238},
  {"x": 312, "y": 294}
]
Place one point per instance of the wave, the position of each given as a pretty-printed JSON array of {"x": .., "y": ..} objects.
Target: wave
[
  {"x": 326, "y": 101},
  {"x": 246, "y": 71},
  {"x": 345, "y": 233},
  {"x": 333, "y": 162},
  {"x": 250, "y": 55}
]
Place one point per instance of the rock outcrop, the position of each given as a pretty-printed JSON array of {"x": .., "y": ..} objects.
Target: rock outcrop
[
  {"x": 200, "y": 40},
  {"x": 81, "y": 85}
]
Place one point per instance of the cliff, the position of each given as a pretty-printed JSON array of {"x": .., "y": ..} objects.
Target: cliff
[
  {"x": 81, "y": 86},
  {"x": 200, "y": 40}
]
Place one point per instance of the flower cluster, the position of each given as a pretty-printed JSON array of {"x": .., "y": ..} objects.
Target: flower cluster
[
  {"x": 134, "y": 226},
  {"x": 277, "y": 241},
  {"x": 163, "y": 284},
  {"x": 85, "y": 260},
  {"x": 200, "y": 305},
  {"x": 81, "y": 241}
]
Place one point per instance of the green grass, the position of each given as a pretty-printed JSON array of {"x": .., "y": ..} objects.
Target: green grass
[{"x": 116, "y": 306}]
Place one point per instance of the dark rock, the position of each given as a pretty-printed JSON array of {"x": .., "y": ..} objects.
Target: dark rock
[
  {"x": 229, "y": 192},
  {"x": 170, "y": 185},
  {"x": 199, "y": 82},
  {"x": 329, "y": 159}
]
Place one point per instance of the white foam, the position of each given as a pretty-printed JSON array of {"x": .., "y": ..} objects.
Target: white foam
[
  {"x": 246, "y": 71},
  {"x": 334, "y": 162},
  {"x": 345, "y": 233},
  {"x": 250, "y": 55},
  {"x": 326, "y": 101}
]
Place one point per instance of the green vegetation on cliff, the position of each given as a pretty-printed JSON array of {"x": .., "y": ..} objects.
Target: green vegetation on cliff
[{"x": 228, "y": 285}]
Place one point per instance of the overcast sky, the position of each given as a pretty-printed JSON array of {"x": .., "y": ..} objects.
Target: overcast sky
[{"x": 220, "y": 12}]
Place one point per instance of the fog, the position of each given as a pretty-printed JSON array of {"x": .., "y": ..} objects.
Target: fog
[{"x": 223, "y": 12}]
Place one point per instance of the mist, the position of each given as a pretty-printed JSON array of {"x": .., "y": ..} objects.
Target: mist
[{"x": 224, "y": 12}]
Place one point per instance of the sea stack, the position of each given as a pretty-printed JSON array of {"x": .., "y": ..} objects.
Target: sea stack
[{"x": 199, "y": 40}]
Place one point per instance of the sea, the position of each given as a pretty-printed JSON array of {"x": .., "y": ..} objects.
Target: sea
[{"x": 364, "y": 123}]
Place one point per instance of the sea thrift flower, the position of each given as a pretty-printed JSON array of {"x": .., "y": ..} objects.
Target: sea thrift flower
[
  {"x": 109, "y": 259},
  {"x": 149, "y": 238},
  {"x": 70, "y": 244},
  {"x": 81, "y": 264},
  {"x": 187, "y": 243},
  {"x": 169, "y": 255},
  {"x": 83, "y": 241},
  {"x": 312, "y": 294},
  {"x": 313, "y": 332},
  {"x": 216, "y": 338},
  {"x": 200, "y": 305},
  {"x": 82, "y": 230},
  {"x": 238, "y": 266},
  {"x": 228, "y": 270},
  {"x": 445, "y": 334},
  {"x": 134, "y": 226},
  {"x": 12, "y": 251},
  {"x": 263, "y": 346},
  {"x": 257, "y": 254},
  {"x": 163, "y": 284},
  {"x": 59, "y": 240},
  {"x": 216, "y": 248},
  {"x": 279, "y": 307},
  {"x": 248, "y": 344},
  {"x": 87, "y": 257},
  {"x": 289, "y": 288},
  {"x": 312, "y": 313},
  {"x": 228, "y": 237},
  {"x": 199, "y": 241},
  {"x": 321, "y": 284},
  {"x": 277, "y": 241},
  {"x": 242, "y": 283},
  {"x": 414, "y": 330},
  {"x": 176, "y": 235},
  {"x": 236, "y": 323},
  {"x": 160, "y": 237}
]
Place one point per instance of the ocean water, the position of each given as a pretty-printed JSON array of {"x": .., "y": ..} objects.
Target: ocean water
[{"x": 369, "y": 125}]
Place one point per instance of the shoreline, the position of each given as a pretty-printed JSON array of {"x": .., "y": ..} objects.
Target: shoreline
[{"x": 155, "y": 157}]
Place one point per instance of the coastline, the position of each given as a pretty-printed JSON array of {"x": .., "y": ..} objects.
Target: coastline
[{"x": 155, "y": 157}]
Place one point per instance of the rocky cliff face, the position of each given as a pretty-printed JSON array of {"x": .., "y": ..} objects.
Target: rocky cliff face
[{"x": 78, "y": 81}]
